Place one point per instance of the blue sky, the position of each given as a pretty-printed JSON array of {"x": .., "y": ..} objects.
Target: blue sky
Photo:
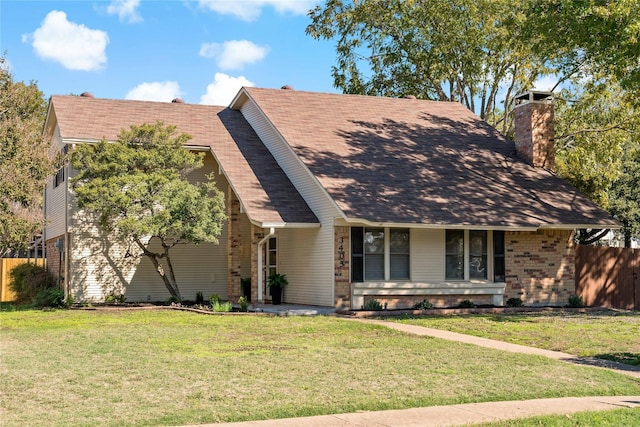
[{"x": 201, "y": 51}]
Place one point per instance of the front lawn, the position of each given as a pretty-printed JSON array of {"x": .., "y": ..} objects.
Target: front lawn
[
  {"x": 611, "y": 335},
  {"x": 172, "y": 368}
]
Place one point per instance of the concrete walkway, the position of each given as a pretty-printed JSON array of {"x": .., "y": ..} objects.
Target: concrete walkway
[
  {"x": 630, "y": 370},
  {"x": 452, "y": 415}
]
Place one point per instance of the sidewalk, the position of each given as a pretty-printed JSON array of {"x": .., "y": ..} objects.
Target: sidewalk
[
  {"x": 630, "y": 370},
  {"x": 453, "y": 415}
]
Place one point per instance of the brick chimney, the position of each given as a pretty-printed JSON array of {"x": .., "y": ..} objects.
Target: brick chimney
[{"x": 534, "y": 129}]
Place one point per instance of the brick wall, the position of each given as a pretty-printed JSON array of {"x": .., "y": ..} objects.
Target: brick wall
[
  {"x": 53, "y": 258},
  {"x": 342, "y": 245},
  {"x": 234, "y": 246},
  {"x": 540, "y": 266},
  {"x": 257, "y": 234},
  {"x": 535, "y": 134}
]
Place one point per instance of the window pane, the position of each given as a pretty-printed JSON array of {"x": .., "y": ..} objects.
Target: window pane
[
  {"x": 477, "y": 254},
  {"x": 498, "y": 269},
  {"x": 455, "y": 242},
  {"x": 454, "y": 267},
  {"x": 399, "y": 241},
  {"x": 374, "y": 266},
  {"x": 454, "y": 260},
  {"x": 357, "y": 240},
  {"x": 498, "y": 256},
  {"x": 478, "y": 267},
  {"x": 399, "y": 254},
  {"x": 399, "y": 266},
  {"x": 357, "y": 260},
  {"x": 272, "y": 243},
  {"x": 357, "y": 268},
  {"x": 374, "y": 241}
]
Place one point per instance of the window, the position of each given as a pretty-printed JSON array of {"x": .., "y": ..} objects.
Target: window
[
  {"x": 59, "y": 177},
  {"x": 374, "y": 254},
  {"x": 379, "y": 254},
  {"x": 498, "y": 256},
  {"x": 477, "y": 254},
  {"x": 464, "y": 262},
  {"x": 399, "y": 254},
  {"x": 454, "y": 255},
  {"x": 60, "y": 174}
]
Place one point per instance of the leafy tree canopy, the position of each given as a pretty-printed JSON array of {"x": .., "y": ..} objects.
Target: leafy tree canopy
[
  {"x": 470, "y": 51},
  {"x": 589, "y": 35},
  {"x": 138, "y": 188},
  {"x": 24, "y": 161}
]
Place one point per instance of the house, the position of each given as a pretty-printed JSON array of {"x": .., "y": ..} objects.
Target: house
[{"x": 352, "y": 197}]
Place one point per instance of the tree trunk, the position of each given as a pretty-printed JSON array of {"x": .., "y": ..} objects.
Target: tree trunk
[{"x": 169, "y": 280}]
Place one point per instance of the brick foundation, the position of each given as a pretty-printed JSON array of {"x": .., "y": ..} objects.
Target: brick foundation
[
  {"x": 540, "y": 266},
  {"x": 440, "y": 301}
]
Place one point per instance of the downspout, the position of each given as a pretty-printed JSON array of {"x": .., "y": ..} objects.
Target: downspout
[{"x": 272, "y": 232}]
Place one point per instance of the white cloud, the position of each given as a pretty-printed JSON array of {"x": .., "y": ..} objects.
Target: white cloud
[
  {"x": 223, "y": 89},
  {"x": 249, "y": 10},
  {"x": 125, "y": 9},
  {"x": 545, "y": 83},
  {"x": 234, "y": 54},
  {"x": 73, "y": 45},
  {"x": 155, "y": 91}
]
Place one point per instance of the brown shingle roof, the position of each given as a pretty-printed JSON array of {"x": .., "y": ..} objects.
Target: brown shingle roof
[
  {"x": 266, "y": 193},
  {"x": 391, "y": 160}
]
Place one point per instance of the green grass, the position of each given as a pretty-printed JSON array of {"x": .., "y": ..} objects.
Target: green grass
[
  {"x": 613, "y": 418},
  {"x": 173, "y": 368},
  {"x": 607, "y": 335}
]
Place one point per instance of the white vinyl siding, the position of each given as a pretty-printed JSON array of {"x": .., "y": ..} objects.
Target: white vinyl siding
[
  {"x": 306, "y": 255},
  {"x": 55, "y": 199},
  {"x": 427, "y": 255},
  {"x": 100, "y": 266}
]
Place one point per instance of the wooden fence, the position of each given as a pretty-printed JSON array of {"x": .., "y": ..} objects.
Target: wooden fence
[
  {"x": 6, "y": 265},
  {"x": 608, "y": 277}
]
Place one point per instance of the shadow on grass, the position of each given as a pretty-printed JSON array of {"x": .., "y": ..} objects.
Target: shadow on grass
[{"x": 622, "y": 357}]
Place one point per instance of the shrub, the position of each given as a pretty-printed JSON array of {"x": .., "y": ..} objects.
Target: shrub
[
  {"x": 575, "y": 301},
  {"x": 244, "y": 304},
  {"x": 173, "y": 300},
  {"x": 372, "y": 305},
  {"x": 50, "y": 297},
  {"x": 114, "y": 298},
  {"x": 514, "y": 302},
  {"x": 223, "y": 307},
  {"x": 27, "y": 280},
  {"x": 199, "y": 298},
  {"x": 466, "y": 304},
  {"x": 214, "y": 299},
  {"x": 423, "y": 305}
]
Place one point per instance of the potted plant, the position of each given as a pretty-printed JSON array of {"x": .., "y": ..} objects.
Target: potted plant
[{"x": 276, "y": 282}]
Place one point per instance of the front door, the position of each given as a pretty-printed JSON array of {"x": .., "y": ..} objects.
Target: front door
[{"x": 270, "y": 264}]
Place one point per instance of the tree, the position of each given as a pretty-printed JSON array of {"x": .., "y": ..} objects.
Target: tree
[
  {"x": 625, "y": 203},
  {"x": 24, "y": 161},
  {"x": 588, "y": 35},
  {"x": 469, "y": 51},
  {"x": 138, "y": 189}
]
